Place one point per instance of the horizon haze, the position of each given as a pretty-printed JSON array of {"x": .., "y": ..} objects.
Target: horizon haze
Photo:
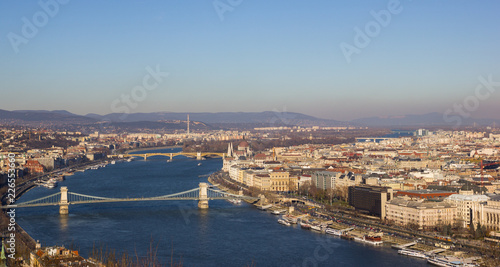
[{"x": 332, "y": 60}]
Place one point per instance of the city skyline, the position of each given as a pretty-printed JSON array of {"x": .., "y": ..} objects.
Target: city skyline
[{"x": 338, "y": 61}]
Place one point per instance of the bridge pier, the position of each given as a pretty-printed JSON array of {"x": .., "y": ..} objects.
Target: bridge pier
[
  {"x": 145, "y": 156},
  {"x": 198, "y": 155},
  {"x": 64, "y": 204},
  {"x": 203, "y": 201},
  {"x": 171, "y": 156}
]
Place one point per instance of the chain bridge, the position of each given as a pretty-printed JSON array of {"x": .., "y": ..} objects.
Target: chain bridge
[{"x": 64, "y": 198}]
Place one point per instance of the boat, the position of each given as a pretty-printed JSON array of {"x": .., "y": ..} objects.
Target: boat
[
  {"x": 284, "y": 222},
  {"x": 113, "y": 162},
  {"x": 372, "y": 240},
  {"x": 49, "y": 184},
  {"x": 445, "y": 262},
  {"x": 234, "y": 201},
  {"x": 290, "y": 219},
  {"x": 315, "y": 227},
  {"x": 278, "y": 212},
  {"x": 199, "y": 164},
  {"x": 304, "y": 225},
  {"x": 332, "y": 231},
  {"x": 412, "y": 253},
  {"x": 264, "y": 207}
]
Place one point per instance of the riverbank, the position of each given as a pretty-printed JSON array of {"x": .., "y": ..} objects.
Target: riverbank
[{"x": 360, "y": 227}]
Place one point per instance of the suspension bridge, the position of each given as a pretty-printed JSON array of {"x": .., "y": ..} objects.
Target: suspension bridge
[
  {"x": 197, "y": 155},
  {"x": 64, "y": 198}
]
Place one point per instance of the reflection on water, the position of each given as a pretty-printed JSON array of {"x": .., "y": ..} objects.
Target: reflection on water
[{"x": 63, "y": 223}]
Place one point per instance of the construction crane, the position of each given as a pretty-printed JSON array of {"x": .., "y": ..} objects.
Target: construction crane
[{"x": 482, "y": 165}]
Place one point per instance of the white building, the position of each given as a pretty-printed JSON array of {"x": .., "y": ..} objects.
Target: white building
[{"x": 469, "y": 206}]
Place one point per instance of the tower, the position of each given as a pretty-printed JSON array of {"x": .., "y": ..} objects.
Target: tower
[
  {"x": 230, "y": 151},
  {"x": 188, "y": 125}
]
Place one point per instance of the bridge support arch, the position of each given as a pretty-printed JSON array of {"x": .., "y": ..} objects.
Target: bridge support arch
[
  {"x": 203, "y": 201},
  {"x": 64, "y": 204}
]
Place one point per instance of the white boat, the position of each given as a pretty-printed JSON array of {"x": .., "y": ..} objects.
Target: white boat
[
  {"x": 199, "y": 164},
  {"x": 332, "y": 231},
  {"x": 290, "y": 219},
  {"x": 264, "y": 207},
  {"x": 113, "y": 162},
  {"x": 316, "y": 227},
  {"x": 49, "y": 184},
  {"x": 278, "y": 212},
  {"x": 284, "y": 222},
  {"x": 445, "y": 262},
  {"x": 234, "y": 201},
  {"x": 412, "y": 253},
  {"x": 372, "y": 240}
]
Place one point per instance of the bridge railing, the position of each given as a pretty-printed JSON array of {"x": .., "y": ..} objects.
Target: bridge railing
[
  {"x": 48, "y": 200},
  {"x": 76, "y": 197},
  {"x": 193, "y": 193},
  {"x": 218, "y": 194}
]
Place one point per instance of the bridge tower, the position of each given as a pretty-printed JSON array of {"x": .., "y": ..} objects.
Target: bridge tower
[
  {"x": 203, "y": 201},
  {"x": 171, "y": 156},
  {"x": 63, "y": 205},
  {"x": 145, "y": 156},
  {"x": 198, "y": 155}
]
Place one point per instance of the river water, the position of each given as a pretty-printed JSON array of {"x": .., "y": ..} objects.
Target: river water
[{"x": 224, "y": 235}]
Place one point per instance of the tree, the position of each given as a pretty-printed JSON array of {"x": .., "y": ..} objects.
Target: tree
[{"x": 472, "y": 230}]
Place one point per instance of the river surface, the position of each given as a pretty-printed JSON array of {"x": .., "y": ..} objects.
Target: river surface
[{"x": 224, "y": 235}]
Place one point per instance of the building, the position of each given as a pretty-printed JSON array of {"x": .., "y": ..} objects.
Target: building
[
  {"x": 324, "y": 179},
  {"x": 469, "y": 207},
  {"x": 490, "y": 214},
  {"x": 58, "y": 256},
  {"x": 262, "y": 182},
  {"x": 424, "y": 214},
  {"x": 282, "y": 182},
  {"x": 34, "y": 166},
  {"x": 370, "y": 199}
]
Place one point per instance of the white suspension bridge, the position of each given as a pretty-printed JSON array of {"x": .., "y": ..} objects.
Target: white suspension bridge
[{"x": 64, "y": 198}]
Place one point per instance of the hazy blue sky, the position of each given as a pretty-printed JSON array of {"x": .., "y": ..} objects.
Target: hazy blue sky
[{"x": 250, "y": 55}]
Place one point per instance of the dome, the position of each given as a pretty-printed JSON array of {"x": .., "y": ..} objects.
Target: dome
[{"x": 243, "y": 144}]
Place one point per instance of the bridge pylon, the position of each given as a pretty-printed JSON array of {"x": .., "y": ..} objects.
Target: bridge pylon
[
  {"x": 64, "y": 204},
  {"x": 203, "y": 201},
  {"x": 198, "y": 155}
]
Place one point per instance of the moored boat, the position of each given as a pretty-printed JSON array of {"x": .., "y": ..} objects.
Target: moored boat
[
  {"x": 304, "y": 225},
  {"x": 332, "y": 231},
  {"x": 445, "y": 262},
  {"x": 284, "y": 222},
  {"x": 413, "y": 253}
]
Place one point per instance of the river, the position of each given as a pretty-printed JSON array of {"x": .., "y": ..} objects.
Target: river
[{"x": 224, "y": 235}]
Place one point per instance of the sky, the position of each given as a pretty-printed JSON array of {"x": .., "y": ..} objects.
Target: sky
[{"x": 338, "y": 60}]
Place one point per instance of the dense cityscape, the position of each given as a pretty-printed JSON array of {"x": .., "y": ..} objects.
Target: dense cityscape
[
  {"x": 249, "y": 133},
  {"x": 431, "y": 194}
]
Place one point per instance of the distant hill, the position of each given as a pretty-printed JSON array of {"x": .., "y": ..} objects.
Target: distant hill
[
  {"x": 263, "y": 119},
  {"x": 221, "y": 120},
  {"x": 32, "y": 117}
]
